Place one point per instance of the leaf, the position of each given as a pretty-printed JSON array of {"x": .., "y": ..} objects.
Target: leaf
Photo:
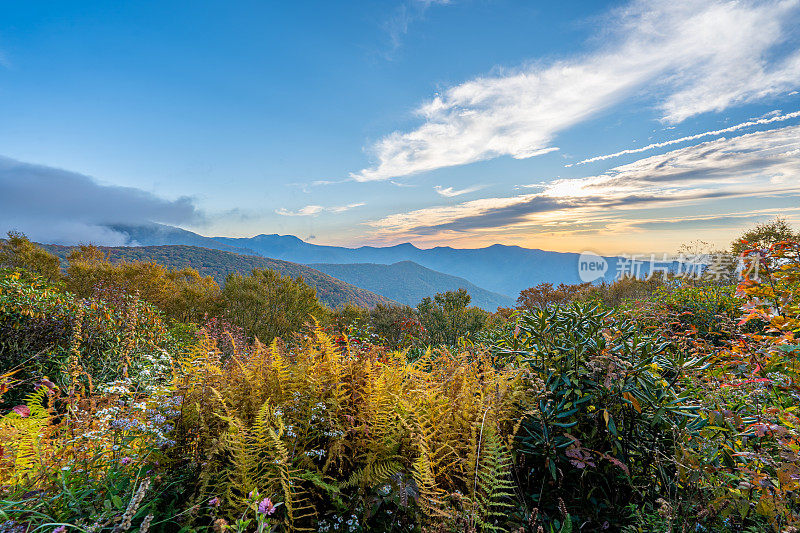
[
  {"x": 631, "y": 398},
  {"x": 117, "y": 501},
  {"x": 566, "y": 527}
]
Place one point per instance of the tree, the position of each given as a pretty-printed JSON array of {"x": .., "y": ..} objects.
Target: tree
[
  {"x": 19, "y": 253},
  {"x": 266, "y": 304},
  {"x": 544, "y": 295},
  {"x": 764, "y": 235},
  {"x": 448, "y": 316},
  {"x": 398, "y": 324},
  {"x": 194, "y": 296},
  {"x": 183, "y": 295}
]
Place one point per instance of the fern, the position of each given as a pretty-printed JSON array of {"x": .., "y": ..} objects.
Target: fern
[
  {"x": 25, "y": 436},
  {"x": 373, "y": 473},
  {"x": 493, "y": 489}
]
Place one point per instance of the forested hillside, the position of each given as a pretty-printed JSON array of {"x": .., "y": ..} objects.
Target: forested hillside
[{"x": 219, "y": 264}]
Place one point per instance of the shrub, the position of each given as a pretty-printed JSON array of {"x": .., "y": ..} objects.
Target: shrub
[
  {"x": 48, "y": 333},
  {"x": 18, "y": 253},
  {"x": 447, "y": 317},
  {"x": 183, "y": 295},
  {"x": 603, "y": 416},
  {"x": 266, "y": 304}
]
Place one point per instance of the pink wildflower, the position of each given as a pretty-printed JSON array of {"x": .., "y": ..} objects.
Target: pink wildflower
[
  {"x": 266, "y": 507},
  {"x": 22, "y": 410}
]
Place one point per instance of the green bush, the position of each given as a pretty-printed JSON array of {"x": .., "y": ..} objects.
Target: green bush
[{"x": 603, "y": 417}]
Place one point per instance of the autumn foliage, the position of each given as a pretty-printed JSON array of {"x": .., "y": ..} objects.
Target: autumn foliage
[{"x": 138, "y": 398}]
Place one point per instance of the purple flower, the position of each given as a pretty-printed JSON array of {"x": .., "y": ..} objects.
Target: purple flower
[
  {"x": 60, "y": 529},
  {"x": 578, "y": 457},
  {"x": 125, "y": 461},
  {"x": 266, "y": 507},
  {"x": 50, "y": 385},
  {"x": 214, "y": 502}
]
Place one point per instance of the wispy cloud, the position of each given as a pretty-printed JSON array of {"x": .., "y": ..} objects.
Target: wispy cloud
[
  {"x": 450, "y": 192},
  {"x": 403, "y": 16},
  {"x": 754, "y": 165},
  {"x": 342, "y": 209},
  {"x": 722, "y": 221},
  {"x": 58, "y": 206},
  {"x": 737, "y": 127},
  {"x": 313, "y": 210},
  {"x": 698, "y": 55}
]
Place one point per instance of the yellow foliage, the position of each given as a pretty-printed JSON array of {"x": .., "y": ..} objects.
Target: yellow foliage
[{"x": 302, "y": 423}]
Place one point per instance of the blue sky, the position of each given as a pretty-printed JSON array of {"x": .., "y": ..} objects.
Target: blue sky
[{"x": 458, "y": 122}]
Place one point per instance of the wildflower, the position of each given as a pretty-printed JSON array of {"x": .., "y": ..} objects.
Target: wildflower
[
  {"x": 60, "y": 529},
  {"x": 22, "y": 410},
  {"x": 266, "y": 507},
  {"x": 146, "y": 523},
  {"x": 214, "y": 502},
  {"x": 579, "y": 458},
  {"x": 50, "y": 385},
  {"x": 134, "y": 505},
  {"x": 125, "y": 461}
]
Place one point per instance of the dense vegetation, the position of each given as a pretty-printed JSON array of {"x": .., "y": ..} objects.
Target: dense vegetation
[
  {"x": 219, "y": 264},
  {"x": 654, "y": 406}
]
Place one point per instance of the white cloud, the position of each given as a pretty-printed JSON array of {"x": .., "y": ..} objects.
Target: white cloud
[
  {"x": 753, "y": 165},
  {"x": 302, "y": 212},
  {"x": 694, "y": 56},
  {"x": 449, "y": 192},
  {"x": 759, "y": 122},
  {"x": 313, "y": 210},
  {"x": 342, "y": 209}
]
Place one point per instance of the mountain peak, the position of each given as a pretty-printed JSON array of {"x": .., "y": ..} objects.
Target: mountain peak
[{"x": 276, "y": 237}]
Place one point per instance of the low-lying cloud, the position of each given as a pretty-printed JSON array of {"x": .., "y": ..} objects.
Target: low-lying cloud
[{"x": 58, "y": 206}]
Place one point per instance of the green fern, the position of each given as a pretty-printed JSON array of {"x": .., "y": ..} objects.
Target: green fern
[{"x": 494, "y": 490}]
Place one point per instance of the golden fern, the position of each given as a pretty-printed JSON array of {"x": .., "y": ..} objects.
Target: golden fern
[{"x": 25, "y": 437}]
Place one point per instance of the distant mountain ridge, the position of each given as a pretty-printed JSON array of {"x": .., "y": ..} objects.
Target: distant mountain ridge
[
  {"x": 160, "y": 234},
  {"x": 408, "y": 283},
  {"x": 219, "y": 264},
  {"x": 502, "y": 269},
  {"x": 506, "y": 270}
]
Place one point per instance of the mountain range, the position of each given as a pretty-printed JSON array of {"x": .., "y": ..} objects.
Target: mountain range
[
  {"x": 408, "y": 283},
  {"x": 501, "y": 269},
  {"x": 493, "y": 275}
]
